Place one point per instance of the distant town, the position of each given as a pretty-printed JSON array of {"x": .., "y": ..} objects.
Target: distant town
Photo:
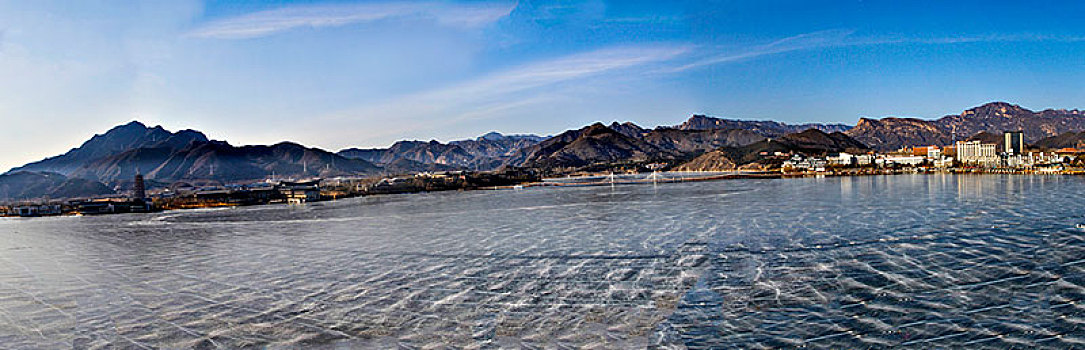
[{"x": 961, "y": 157}]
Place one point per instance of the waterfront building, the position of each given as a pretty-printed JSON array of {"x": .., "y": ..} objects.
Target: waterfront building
[
  {"x": 843, "y": 158},
  {"x": 1019, "y": 161},
  {"x": 934, "y": 152},
  {"x": 798, "y": 162},
  {"x": 1014, "y": 142},
  {"x": 113, "y": 206},
  {"x": 903, "y": 160},
  {"x": 300, "y": 192},
  {"x": 36, "y": 210},
  {"x": 864, "y": 159},
  {"x": 974, "y": 152}
]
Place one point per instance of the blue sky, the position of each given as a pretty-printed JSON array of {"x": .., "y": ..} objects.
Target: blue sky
[{"x": 336, "y": 74}]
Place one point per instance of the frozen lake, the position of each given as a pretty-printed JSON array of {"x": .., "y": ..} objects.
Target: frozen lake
[{"x": 910, "y": 261}]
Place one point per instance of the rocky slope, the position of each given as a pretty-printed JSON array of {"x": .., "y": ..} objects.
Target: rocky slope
[
  {"x": 894, "y": 133},
  {"x": 696, "y": 141},
  {"x": 592, "y": 144},
  {"x": 716, "y": 160},
  {"x": 628, "y": 129},
  {"x": 998, "y": 117}
]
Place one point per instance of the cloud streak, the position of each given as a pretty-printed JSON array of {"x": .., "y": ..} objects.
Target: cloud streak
[
  {"x": 819, "y": 39},
  {"x": 843, "y": 38},
  {"x": 269, "y": 22},
  {"x": 500, "y": 92}
]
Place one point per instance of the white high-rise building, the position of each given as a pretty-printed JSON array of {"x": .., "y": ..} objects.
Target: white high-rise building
[{"x": 974, "y": 152}]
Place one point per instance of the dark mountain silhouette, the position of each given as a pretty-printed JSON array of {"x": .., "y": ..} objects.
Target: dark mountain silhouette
[
  {"x": 483, "y": 153},
  {"x": 592, "y": 144},
  {"x": 122, "y": 152},
  {"x": 23, "y": 185},
  {"x": 1064, "y": 140},
  {"x": 125, "y": 165},
  {"x": 763, "y": 127},
  {"x": 118, "y": 139},
  {"x": 372, "y": 155},
  {"x": 995, "y": 118},
  {"x": 221, "y": 161}
]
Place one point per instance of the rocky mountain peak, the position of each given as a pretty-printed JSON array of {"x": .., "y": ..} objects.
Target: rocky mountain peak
[{"x": 996, "y": 109}]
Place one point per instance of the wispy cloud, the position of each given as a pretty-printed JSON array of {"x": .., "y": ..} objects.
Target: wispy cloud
[
  {"x": 845, "y": 37},
  {"x": 825, "y": 38},
  {"x": 497, "y": 93},
  {"x": 273, "y": 21}
]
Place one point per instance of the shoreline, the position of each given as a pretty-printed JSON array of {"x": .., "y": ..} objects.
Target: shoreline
[{"x": 602, "y": 180}]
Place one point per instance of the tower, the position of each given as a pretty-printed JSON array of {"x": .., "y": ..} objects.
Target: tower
[
  {"x": 140, "y": 190},
  {"x": 1014, "y": 142}
]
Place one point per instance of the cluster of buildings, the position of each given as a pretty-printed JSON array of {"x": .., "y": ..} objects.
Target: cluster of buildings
[
  {"x": 136, "y": 202},
  {"x": 293, "y": 192},
  {"x": 1010, "y": 152}
]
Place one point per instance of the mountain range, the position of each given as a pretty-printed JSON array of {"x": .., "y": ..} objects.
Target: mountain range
[
  {"x": 995, "y": 117},
  {"x": 104, "y": 163},
  {"x": 483, "y": 153},
  {"x": 765, "y": 128}
]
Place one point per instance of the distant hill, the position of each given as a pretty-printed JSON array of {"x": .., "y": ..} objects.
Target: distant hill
[
  {"x": 995, "y": 118},
  {"x": 762, "y": 127},
  {"x": 118, "y": 139},
  {"x": 23, "y": 185},
  {"x": 716, "y": 160}
]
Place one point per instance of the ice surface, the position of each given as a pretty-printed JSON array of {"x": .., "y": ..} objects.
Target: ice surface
[{"x": 898, "y": 261}]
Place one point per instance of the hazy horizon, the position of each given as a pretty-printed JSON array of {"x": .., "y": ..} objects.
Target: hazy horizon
[{"x": 365, "y": 74}]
